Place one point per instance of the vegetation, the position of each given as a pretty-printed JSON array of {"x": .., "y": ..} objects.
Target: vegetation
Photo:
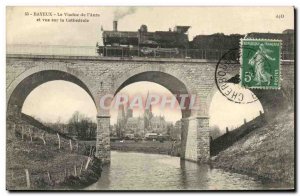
[
  {"x": 82, "y": 127},
  {"x": 229, "y": 138},
  {"x": 157, "y": 147},
  {"x": 50, "y": 159},
  {"x": 266, "y": 152},
  {"x": 214, "y": 132},
  {"x": 78, "y": 127}
]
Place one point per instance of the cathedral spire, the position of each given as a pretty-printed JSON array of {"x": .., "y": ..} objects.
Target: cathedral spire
[
  {"x": 120, "y": 120},
  {"x": 146, "y": 99},
  {"x": 148, "y": 111},
  {"x": 121, "y": 114}
]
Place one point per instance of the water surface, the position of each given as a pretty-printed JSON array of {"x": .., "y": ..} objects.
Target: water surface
[{"x": 140, "y": 171}]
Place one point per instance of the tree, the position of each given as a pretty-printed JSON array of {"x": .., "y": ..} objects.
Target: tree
[
  {"x": 215, "y": 132},
  {"x": 81, "y": 127}
]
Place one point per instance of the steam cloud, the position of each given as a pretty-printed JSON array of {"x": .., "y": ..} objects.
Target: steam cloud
[{"x": 120, "y": 13}]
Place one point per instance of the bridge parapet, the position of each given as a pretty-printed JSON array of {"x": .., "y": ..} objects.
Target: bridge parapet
[{"x": 123, "y": 53}]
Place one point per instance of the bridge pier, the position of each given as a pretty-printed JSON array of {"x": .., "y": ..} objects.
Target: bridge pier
[
  {"x": 203, "y": 139},
  {"x": 102, "y": 139},
  {"x": 195, "y": 139}
]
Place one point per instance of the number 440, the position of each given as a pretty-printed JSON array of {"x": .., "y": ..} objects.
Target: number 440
[{"x": 279, "y": 16}]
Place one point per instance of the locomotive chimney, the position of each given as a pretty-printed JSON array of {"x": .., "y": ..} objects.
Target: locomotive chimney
[{"x": 115, "y": 25}]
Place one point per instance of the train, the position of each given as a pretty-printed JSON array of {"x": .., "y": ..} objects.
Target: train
[
  {"x": 142, "y": 42},
  {"x": 174, "y": 43}
]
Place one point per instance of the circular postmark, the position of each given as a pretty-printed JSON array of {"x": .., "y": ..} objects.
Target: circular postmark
[{"x": 227, "y": 78}]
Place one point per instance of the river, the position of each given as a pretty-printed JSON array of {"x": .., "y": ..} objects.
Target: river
[{"x": 140, "y": 171}]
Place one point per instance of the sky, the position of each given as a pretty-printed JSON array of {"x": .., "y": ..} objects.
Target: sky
[
  {"x": 44, "y": 101},
  {"x": 23, "y": 29},
  {"x": 49, "y": 106}
]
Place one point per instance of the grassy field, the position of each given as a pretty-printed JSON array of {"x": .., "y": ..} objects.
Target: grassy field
[
  {"x": 228, "y": 139},
  {"x": 47, "y": 164},
  {"x": 154, "y": 147},
  {"x": 147, "y": 147},
  {"x": 39, "y": 160},
  {"x": 267, "y": 152}
]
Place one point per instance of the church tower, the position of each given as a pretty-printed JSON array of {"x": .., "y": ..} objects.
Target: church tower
[
  {"x": 148, "y": 115},
  {"x": 129, "y": 113},
  {"x": 120, "y": 120}
]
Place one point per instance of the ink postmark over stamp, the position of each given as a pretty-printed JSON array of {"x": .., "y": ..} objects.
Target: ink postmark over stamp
[
  {"x": 255, "y": 65},
  {"x": 260, "y": 63},
  {"x": 227, "y": 78}
]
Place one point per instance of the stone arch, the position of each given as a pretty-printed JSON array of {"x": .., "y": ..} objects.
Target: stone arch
[
  {"x": 24, "y": 83},
  {"x": 176, "y": 84}
]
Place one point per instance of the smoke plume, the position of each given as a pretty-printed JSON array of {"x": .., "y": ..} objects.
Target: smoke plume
[{"x": 120, "y": 13}]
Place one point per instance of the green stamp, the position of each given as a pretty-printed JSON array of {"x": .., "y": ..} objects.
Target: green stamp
[{"x": 260, "y": 60}]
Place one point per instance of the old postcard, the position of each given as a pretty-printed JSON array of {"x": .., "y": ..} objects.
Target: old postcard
[{"x": 150, "y": 98}]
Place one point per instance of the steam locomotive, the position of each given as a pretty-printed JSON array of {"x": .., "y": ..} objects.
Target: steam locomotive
[
  {"x": 143, "y": 42},
  {"x": 175, "y": 43}
]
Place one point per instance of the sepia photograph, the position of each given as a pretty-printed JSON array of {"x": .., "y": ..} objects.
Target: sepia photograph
[{"x": 137, "y": 98}]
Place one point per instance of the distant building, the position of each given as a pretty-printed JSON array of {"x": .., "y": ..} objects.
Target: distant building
[
  {"x": 287, "y": 37},
  {"x": 140, "y": 126},
  {"x": 134, "y": 126},
  {"x": 158, "y": 124}
]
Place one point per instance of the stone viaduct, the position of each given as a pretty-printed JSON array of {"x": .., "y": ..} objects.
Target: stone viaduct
[{"x": 101, "y": 75}]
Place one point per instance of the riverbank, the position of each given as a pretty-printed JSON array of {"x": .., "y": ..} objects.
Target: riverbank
[
  {"x": 87, "y": 177},
  {"x": 51, "y": 171},
  {"x": 39, "y": 160},
  {"x": 267, "y": 153},
  {"x": 154, "y": 147}
]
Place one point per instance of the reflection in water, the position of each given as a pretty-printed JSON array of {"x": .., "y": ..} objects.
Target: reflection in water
[
  {"x": 139, "y": 171},
  {"x": 189, "y": 177}
]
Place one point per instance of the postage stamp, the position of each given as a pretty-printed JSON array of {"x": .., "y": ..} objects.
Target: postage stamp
[{"x": 260, "y": 63}]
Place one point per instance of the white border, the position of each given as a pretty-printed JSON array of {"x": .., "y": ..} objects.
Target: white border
[{"x": 5, "y": 3}]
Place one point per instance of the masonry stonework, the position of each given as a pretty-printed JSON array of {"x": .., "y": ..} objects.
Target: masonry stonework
[
  {"x": 102, "y": 139},
  {"x": 203, "y": 139},
  {"x": 99, "y": 76}
]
